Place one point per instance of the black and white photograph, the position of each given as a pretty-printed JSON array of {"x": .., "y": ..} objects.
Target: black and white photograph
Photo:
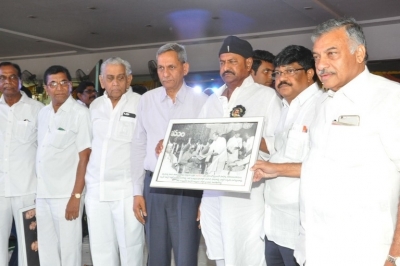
[
  {"x": 27, "y": 218},
  {"x": 209, "y": 154}
]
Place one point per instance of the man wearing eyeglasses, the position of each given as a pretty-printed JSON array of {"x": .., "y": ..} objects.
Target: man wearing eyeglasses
[
  {"x": 64, "y": 141},
  {"x": 295, "y": 80},
  {"x": 18, "y": 143},
  {"x": 262, "y": 67},
  {"x": 86, "y": 93},
  {"x": 232, "y": 222},
  {"x": 109, "y": 183}
]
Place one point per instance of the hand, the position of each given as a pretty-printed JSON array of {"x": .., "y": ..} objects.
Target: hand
[
  {"x": 139, "y": 208},
  {"x": 198, "y": 216},
  {"x": 263, "y": 169},
  {"x": 72, "y": 210},
  {"x": 159, "y": 147},
  {"x": 215, "y": 154}
]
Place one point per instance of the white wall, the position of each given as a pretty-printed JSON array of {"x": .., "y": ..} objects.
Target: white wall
[{"x": 383, "y": 42}]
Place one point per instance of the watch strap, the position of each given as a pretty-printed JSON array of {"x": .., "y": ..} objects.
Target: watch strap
[{"x": 393, "y": 260}]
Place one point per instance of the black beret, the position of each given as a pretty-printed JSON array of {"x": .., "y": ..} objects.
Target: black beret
[{"x": 233, "y": 44}]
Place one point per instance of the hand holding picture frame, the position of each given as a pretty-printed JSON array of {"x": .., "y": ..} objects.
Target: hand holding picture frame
[{"x": 214, "y": 154}]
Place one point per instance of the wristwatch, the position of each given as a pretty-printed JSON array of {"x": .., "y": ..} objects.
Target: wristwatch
[
  {"x": 77, "y": 195},
  {"x": 393, "y": 260}
]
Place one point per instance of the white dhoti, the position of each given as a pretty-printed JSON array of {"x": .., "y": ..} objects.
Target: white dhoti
[
  {"x": 116, "y": 236},
  {"x": 59, "y": 240},
  {"x": 231, "y": 225}
]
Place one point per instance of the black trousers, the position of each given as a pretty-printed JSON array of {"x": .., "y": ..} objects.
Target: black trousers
[{"x": 171, "y": 224}]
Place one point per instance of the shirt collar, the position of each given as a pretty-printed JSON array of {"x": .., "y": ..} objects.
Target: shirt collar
[
  {"x": 180, "y": 96},
  {"x": 122, "y": 97},
  {"x": 353, "y": 89},
  {"x": 246, "y": 82},
  {"x": 23, "y": 98},
  {"x": 304, "y": 95},
  {"x": 67, "y": 105}
]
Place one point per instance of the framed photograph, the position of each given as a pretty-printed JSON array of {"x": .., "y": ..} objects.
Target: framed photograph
[
  {"x": 211, "y": 154},
  {"x": 29, "y": 246}
]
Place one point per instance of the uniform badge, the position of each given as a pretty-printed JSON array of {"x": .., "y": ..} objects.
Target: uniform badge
[{"x": 238, "y": 111}]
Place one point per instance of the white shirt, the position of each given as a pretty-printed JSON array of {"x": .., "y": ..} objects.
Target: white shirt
[
  {"x": 61, "y": 136},
  {"x": 282, "y": 219},
  {"x": 18, "y": 143},
  {"x": 81, "y": 103},
  {"x": 155, "y": 110},
  {"x": 350, "y": 182},
  {"x": 258, "y": 101},
  {"x": 108, "y": 175}
]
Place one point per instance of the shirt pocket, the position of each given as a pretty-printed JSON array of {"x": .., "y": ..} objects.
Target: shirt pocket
[
  {"x": 297, "y": 145},
  {"x": 61, "y": 139},
  {"x": 125, "y": 128},
  {"x": 25, "y": 131}
]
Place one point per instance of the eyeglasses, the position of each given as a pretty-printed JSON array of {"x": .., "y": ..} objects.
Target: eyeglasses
[
  {"x": 63, "y": 83},
  {"x": 12, "y": 78},
  {"x": 288, "y": 72},
  {"x": 89, "y": 91}
]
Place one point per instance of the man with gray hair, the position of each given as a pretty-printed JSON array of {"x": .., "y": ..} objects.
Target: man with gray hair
[
  {"x": 116, "y": 237},
  {"x": 350, "y": 181},
  {"x": 169, "y": 215}
]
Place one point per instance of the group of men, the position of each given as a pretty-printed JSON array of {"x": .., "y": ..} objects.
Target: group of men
[{"x": 326, "y": 186}]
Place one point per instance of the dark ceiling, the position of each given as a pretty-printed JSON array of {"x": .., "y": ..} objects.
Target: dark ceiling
[{"x": 39, "y": 28}]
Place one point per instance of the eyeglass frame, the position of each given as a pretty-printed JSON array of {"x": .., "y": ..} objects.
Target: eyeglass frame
[
  {"x": 62, "y": 83},
  {"x": 89, "y": 91},
  {"x": 290, "y": 72}
]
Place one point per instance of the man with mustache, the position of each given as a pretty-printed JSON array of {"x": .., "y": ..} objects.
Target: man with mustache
[
  {"x": 18, "y": 144},
  {"x": 169, "y": 215},
  {"x": 232, "y": 222},
  {"x": 64, "y": 142},
  {"x": 350, "y": 181},
  {"x": 86, "y": 93},
  {"x": 294, "y": 79}
]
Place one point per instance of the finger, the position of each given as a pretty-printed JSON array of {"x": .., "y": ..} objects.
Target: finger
[
  {"x": 256, "y": 176},
  {"x": 143, "y": 209},
  {"x": 198, "y": 215},
  {"x": 257, "y": 165},
  {"x": 136, "y": 211}
]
